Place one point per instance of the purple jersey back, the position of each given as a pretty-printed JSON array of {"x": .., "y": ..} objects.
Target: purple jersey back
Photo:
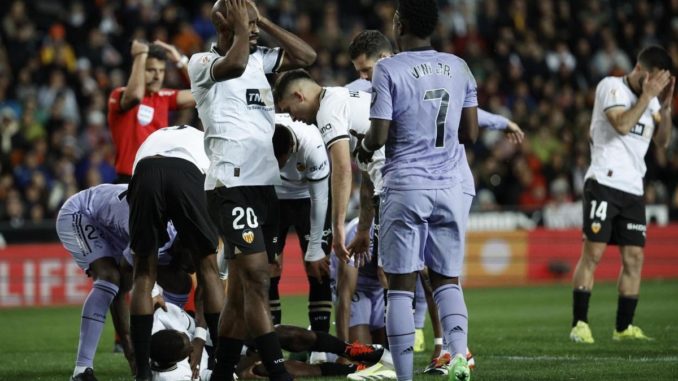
[
  {"x": 106, "y": 204},
  {"x": 422, "y": 93}
]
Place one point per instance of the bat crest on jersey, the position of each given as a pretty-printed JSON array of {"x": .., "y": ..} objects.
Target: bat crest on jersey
[
  {"x": 248, "y": 236},
  {"x": 595, "y": 227}
]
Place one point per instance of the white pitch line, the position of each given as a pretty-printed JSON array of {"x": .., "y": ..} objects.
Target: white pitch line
[{"x": 582, "y": 358}]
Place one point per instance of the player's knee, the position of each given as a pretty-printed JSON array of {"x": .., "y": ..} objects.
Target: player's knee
[
  {"x": 593, "y": 255},
  {"x": 633, "y": 257},
  {"x": 256, "y": 280}
]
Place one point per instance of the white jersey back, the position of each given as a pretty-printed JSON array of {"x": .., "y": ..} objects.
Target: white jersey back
[
  {"x": 307, "y": 162},
  {"x": 238, "y": 118},
  {"x": 618, "y": 161},
  {"x": 183, "y": 142},
  {"x": 342, "y": 110}
]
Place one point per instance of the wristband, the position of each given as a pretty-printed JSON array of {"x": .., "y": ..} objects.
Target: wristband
[
  {"x": 200, "y": 333},
  {"x": 438, "y": 341},
  {"x": 362, "y": 144},
  {"x": 183, "y": 61}
]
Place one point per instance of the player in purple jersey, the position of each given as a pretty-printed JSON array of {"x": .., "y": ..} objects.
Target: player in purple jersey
[
  {"x": 365, "y": 50},
  {"x": 93, "y": 227},
  {"x": 423, "y": 106}
]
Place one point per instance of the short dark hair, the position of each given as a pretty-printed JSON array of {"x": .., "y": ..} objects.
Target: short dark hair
[
  {"x": 286, "y": 79},
  {"x": 370, "y": 43},
  {"x": 281, "y": 140},
  {"x": 157, "y": 52},
  {"x": 420, "y": 16},
  {"x": 655, "y": 57},
  {"x": 168, "y": 347}
]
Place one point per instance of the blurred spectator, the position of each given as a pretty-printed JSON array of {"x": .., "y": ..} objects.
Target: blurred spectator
[{"x": 535, "y": 62}]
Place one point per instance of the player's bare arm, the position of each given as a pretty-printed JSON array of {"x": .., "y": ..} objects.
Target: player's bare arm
[
  {"x": 624, "y": 120},
  {"x": 360, "y": 244},
  {"x": 468, "y": 125},
  {"x": 136, "y": 86},
  {"x": 233, "y": 34},
  {"x": 662, "y": 135},
  {"x": 297, "y": 53},
  {"x": 341, "y": 192},
  {"x": 376, "y": 136}
]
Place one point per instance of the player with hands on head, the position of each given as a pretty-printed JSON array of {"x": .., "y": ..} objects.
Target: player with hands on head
[
  {"x": 236, "y": 107},
  {"x": 628, "y": 113}
]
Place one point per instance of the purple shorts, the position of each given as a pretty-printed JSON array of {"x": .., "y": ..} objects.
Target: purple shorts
[{"x": 423, "y": 227}]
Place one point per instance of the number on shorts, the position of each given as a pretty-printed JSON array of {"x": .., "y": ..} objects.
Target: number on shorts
[
  {"x": 251, "y": 218},
  {"x": 444, "y": 97},
  {"x": 600, "y": 212}
]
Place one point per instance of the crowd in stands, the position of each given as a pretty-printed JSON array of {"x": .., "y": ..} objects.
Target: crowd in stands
[{"x": 536, "y": 62}]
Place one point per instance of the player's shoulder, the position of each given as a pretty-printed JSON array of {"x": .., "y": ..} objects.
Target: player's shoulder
[
  {"x": 332, "y": 97},
  {"x": 611, "y": 81},
  {"x": 360, "y": 85},
  {"x": 202, "y": 58}
]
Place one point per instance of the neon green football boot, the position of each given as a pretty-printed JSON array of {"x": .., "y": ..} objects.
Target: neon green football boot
[
  {"x": 458, "y": 369},
  {"x": 630, "y": 333},
  {"x": 581, "y": 333}
]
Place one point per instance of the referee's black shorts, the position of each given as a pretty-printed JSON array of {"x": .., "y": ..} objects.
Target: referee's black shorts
[
  {"x": 163, "y": 189},
  {"x": 247, "y": 219},
  {"x": 613, "y": 216}
]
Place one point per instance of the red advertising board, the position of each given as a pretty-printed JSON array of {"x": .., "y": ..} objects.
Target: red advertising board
[{"x": 45, "y": 274}]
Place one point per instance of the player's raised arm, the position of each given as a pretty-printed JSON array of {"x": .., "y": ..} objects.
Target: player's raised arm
[
  {"x": 234, "y": 24},
  {"x": 297, "y": 53},
  {"x": 622, "y": 119},
  {"x": 662, "y": 135}
]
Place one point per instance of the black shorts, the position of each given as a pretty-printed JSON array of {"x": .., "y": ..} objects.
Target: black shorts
[
  {"x": 247, "y": 219},
  {"x": 613, "y": 216},
  {"x": 297, "y": 213},
  {"x": 164, "y": 189}
]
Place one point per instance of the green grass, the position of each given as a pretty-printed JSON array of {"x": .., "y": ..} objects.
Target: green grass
[{"x": 516, "y": 334}]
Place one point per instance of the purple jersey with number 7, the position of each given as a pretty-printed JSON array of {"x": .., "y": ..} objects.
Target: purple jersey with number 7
[{"x": 422, "y": 92}]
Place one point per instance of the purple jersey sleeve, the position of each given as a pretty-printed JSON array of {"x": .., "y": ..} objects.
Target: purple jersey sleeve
[
  {"x": 491, "y": 121},
  {"x": 382, "y": 102}
]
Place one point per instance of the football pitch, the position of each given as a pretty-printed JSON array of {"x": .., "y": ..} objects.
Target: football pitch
[{"x": 516, "y": 333}]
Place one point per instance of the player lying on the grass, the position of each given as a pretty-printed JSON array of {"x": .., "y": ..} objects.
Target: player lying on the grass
[
  {"x": 170, "y": 352},
  {"x": 303, "y": 199},
  {"x": 93, "y": 227}
]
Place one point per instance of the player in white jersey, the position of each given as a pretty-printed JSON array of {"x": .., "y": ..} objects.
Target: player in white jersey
[
  {"x": 340, "y": 115},
  {"x": 167, "y": 184},
  {"x": 303, "y": 198},
  {"x": 174, "y": 331},
  {"x": 628, "y": 113},
  {"x": 235, "y": 105}
]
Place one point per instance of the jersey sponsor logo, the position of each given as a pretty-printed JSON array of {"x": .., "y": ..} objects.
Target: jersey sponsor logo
[
  {"x": 636, "y": 227},
  {"x": 145, "y": 114},
  {"x": 595, "y": 227},
  {"x": 259, "y": 97},
  {"x": 248, "y": 236},
  {"x": 325, "y": 128},
  {"x": 315, "y": 167}
]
